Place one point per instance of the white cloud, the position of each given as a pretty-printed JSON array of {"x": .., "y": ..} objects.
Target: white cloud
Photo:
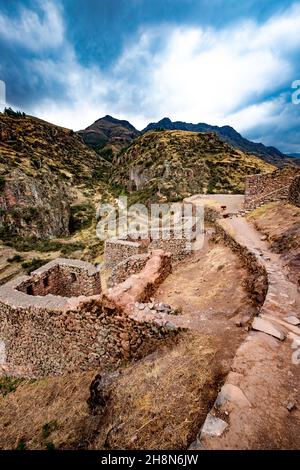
[
  {"x": 187, "y": 73},
  {"x": 33, "y": 31}
]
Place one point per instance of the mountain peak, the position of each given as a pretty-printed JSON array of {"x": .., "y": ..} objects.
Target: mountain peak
[
  {"x": 165, "y": 120},
  {"x": 108, "y": 130}
]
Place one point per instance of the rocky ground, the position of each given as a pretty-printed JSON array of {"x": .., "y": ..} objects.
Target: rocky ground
[
  {"x": 258, "y": 407},
  {"x": 279, "y": 224}
]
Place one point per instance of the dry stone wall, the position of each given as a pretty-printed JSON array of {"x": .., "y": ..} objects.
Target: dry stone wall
[
  {"x": 126, "y": 268},
  {"x": 294, "y": 192},
  {"x": 257, "y": 279},
  {"x": 46, "y": 334},
  {"x": 269, "y": 187},
  {"x": 126, "y": 257},
  {"x": 63, "y": 277},
  {"x": 116, "y": 251}
]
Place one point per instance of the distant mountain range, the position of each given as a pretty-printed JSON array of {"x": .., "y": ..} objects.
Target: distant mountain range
[
  {"x": 227, "y": 134},
  {"x": 294, "y": 155},
  {"x": 109, "y": 132}
]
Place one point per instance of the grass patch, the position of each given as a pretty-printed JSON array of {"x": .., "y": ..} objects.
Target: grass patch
[
  {"x": 33, "y": 264},
  {"x": 9, "y": 385},
  {"x": 48, "y": 428},
  {"x": 34, "y": 244}
]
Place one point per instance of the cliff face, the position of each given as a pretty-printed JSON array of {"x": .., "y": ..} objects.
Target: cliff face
[{"x": 38, "y": 207}]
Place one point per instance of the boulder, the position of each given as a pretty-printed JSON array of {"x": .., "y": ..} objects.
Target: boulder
[
  {"x": 292, "y": 320},
  {"x": 267, "y": 327},
  {"x": 213, "y": 427}
]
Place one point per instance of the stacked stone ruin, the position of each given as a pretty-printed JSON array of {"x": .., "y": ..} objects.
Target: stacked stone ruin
[
  {"x": 58, "y": 319},
  {"x": 279, "y": 185}
]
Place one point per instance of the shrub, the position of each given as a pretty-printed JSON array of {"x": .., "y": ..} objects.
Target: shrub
[
  {"x": 9, "y": 385},
  {"x": 2, "y": 182},
  {"x": 10, "y": 112},
  {"x": 50, "y": 446},
  {"x": 106, "y": 153},
  {"x": 44, "y": 246},
  {"x": 15, "y": 259},
  {"x": 81, "y": 217},
  {"x": 21, "y": 444},
  {"x": 33, "y": 264},
  {"x": 48, "y": 428}
]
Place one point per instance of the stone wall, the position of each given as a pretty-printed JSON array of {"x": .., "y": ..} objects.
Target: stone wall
[
  {"x": 51, "y": 335},
  {"x": 257, "y": 279},
  {"x": 294, "y": 192},
  {"x": 116, "y": 251},
  {"x": 177, "y": 247},
  {"x": 63, "y": 277},
  {"x": 268, "y": 187},
  {"x": 125, "y": 257},
  {"x": 126, "y": 268}
]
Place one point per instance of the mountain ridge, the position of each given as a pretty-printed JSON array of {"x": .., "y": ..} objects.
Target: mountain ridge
[
  {"x": 109, "y": 134},
  {"x": 229, "y": 135},
  {"x": 171, "y": 165}
]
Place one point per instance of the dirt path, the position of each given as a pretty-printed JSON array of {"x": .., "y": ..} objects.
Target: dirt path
[
  {"x": 260, "y": 401},
  {"x": 231, "y": 203},
  {"x": 207, "y": 287}
]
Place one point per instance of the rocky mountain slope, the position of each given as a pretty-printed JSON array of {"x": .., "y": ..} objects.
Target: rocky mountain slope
[
  {"x": 110, "y": 133},
  {"x": 229, "y": 135},
  {"x": 171, "y": 165},
  {"x": 43, "y": 169},
  {"x": 50, "y": 186}
]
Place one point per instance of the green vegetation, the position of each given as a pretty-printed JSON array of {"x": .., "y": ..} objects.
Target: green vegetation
[
  {"x": 15, "y": 259},
  {"x": 21, "y": 445},
  {"x": 82, "y": 216},
  {"x": 106, "y": 153},
  {"x": 48, "y": 428},
  {"x": 10, "y": 112},
  {"x": 32, "y": 265},
  {"x": 9, "y": 385},
  {"x": 2, "y": 182},
  {"x": 25, "y": 244},
  {"x": 172, "y": 165},
  {"x": 50, "y": 446}
]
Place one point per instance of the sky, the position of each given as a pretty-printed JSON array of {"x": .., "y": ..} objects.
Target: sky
[{"x": 222, "y": 62}]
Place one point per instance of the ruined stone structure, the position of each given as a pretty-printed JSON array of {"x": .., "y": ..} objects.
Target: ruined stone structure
[
  {"x": 64, "y": 278},
  {"x": 120, "y": 254},
  {"x": 117, "y": 251},
  {"x": 57, "y": 320},
  {"x": 268, "y": 187},
  {"x": 129, "y": 266},
  {"x": 294, "y": 192}
]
